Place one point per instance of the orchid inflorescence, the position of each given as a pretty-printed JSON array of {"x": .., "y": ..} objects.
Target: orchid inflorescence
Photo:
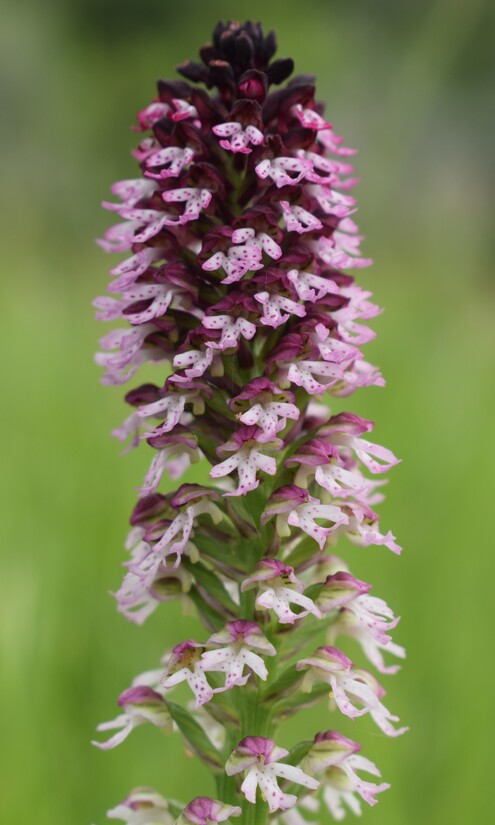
[{"x": 239, "y": 230}]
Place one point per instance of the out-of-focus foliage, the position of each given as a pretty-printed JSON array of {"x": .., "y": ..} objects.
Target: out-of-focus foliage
[{"x": 410, "y": 84}]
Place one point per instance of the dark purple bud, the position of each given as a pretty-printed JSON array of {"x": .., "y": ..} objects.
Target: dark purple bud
[
  {"x": 338, "y": 739},
  {"x": 191, "y": 492},
  {"x": 253, "y": 85},
  {"x": 169, "y": 90},
  {"x": 148, "y": 508},
  {"x": 248, "y": 113},
  {"x": 210, "y": 111},
  {"x": 235, "y": 303},
  {"x": 313, "y": 453},
  {"x": 288, "y": 347},
  {"x": 145, "y": 394},
  {"x": 299, "y": 138},
  {"x": 347, "y": 423},
  {"x": 222, "y": 75},
  {"x": 244, "y": 49},
  {"x": 139, "y": 695},
  {"x": 283, "y": 500},
  {"x": 194, "y": 71},
  {"x": 280, "y": 70},
  {"x": 180, "y": 435}
]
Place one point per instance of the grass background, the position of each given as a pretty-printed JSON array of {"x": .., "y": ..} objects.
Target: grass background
[{"x": 410, "y": 85}]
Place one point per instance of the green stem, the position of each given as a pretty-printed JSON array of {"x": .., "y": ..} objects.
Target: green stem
[
  {"x": 256, "y": 720},
  {"x": 255, "y": 814}
]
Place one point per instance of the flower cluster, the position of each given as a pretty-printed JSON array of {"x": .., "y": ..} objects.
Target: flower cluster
[{"x": 239, "y": 233}]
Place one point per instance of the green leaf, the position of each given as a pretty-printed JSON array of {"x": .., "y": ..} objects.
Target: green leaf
[
  {"x": 299, "y": 752},
  {"x": 175, "y": 807},
  {"x": 309, "y": 632},
  {"x": 213, "y": 586},
  {"x": 313, "y": 591},
  {"x": 252, "y": 549},
  {"x": 299, "y": 701},
  {"x": 284, "y": 684},
  {"x": 195, "y": 736},
  {"x": 212, "y": 620},
  {"x": 295, "y": 757},
  {"x": 305, "y": 549},
  {"x": 223, "y": 713},
  {"x": 225, "y": 551},
  {"x": 251, "y": 507}
]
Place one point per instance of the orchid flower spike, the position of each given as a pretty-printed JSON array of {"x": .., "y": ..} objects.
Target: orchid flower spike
[{"x": 239, "y": 294}]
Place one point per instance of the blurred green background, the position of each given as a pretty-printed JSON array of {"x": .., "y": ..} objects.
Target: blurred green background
[{"x": 409, "y": 84}]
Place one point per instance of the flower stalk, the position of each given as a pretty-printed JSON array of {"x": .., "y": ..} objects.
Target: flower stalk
[{"x": 235, "y": 297}]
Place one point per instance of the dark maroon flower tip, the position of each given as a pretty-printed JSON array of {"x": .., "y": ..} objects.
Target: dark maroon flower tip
[
  {"x": 237, "y": 62},
  {"x": 191, "y": 492},
  {"x": 253, "y": 85},
  {"x": 148, "y": 508},
  {"x": 145, "y": 394},
  {"x": 139, "y": 695},
  {"x": 338, "y": 738}
]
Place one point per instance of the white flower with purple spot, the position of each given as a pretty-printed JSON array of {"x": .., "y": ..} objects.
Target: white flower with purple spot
[
  {"x": 294, "y": 506},
  {"x": 284, "y": 171},
  {"x": 362, "y": 527},
  {"x": 140, "y": 704},
  {"x": 270, "y": 411},
  {"x": 304, "y": 516},
  {"x": 324, "y": 170},
  {"x": 130, "y": 355},
  {"x": 278, "y": 308},
  {"x": 332, "y": 348},
  {"x": 309, "y": 118},
  {"x": 308, "y": 374},
  {"x": 344, "y": 431},
  {"x": 151, "y": 114},
  {"x": 321, "y": 460},
  {"x": 294, "y": 816},
  {"x": 185, "y": 665},
  {"x": 177, "y": 537},
  {"x": 247, "y": 459},
  {"x": 153, "y": 220},
  {"x": 232, "y": 329},
  {"x": 347, "y": 624},
  {"x": 195, "y": 363},
  {"x": 130, "y": 192},
  {"x": 175, "y": 453},
  {"x": 143, "y": 806},
  {"x": 183, "y": 110},
  {"x": 355, "y": 691},
  {"x": 257, "y": 758},
  {"x": 297, "y": 219},
  {"x": 203, "y": 811},
  {"x": 171, "y": 407},
  {"x": 137, "y": 599},
  {"x": 195, "y": 201},
  {"x": 278, "y": 588},
  {"x": 374, "y": 615},
  {"x": 159, "y": 298},
  {"x": 336, "y": 759},
  {"x": 172, "y": 159},
  {"x": 310, "y": 287},
  {"x": 241, "y": 139},
  {"x": 245, "y": 255},
  {"x": 236, "y": 647}
]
